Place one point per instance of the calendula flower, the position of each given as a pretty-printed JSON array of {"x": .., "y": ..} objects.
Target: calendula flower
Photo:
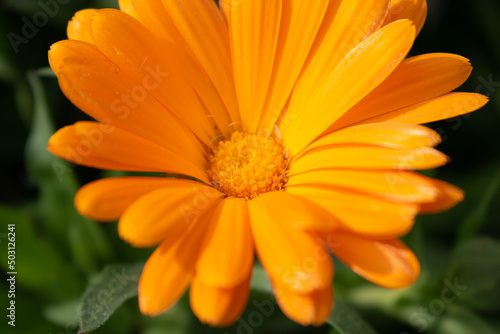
[{"x": 288, "y": 129}]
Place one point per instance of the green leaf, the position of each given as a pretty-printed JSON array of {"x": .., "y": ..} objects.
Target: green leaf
[
  {"x": 475, "y": 268},
  {"x": 113, "y": 286},
  {"x": 347, "y": 321},
  {"x": 63, "y": 313}
]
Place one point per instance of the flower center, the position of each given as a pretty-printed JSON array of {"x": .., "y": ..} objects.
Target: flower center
[{"x": 248, "y": 165}]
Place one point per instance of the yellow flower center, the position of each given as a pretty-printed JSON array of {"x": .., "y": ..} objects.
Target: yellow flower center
[{"x": 248, "y": 165}]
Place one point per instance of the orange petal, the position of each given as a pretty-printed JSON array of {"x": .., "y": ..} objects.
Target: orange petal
[
  {"x": 149, "y": 62},
  {"x": 107, "y": 147},
  {"x": 65, "y": 49},
  {"x": 366, "y": 157},
  {"x": 127, "y": 6},
  {"x": 153, "y": 15},
  {"x": 447, "y": 197},
  {"x": 388, "y": 263},
  {"x": 415, "y": 10},
  {"x": 253, "y": 30},
  {"x": 306, "y": 309},
  {"x": 444, "y": 107},
  {"x": 305, "y": 215},
  {"x": 362, "y": 214},
  {"x": 102, "y": 90},
  {"x": 218, "y": 306},
  {"x": 107, "y": 199},
  {"x": 79, "y": 26},
  {"x": 169, "y": 269},
  {"x": 390, "y": 185},
  {"x": 415, "y": 80},
  {"x": 396, "y": 135},
  {"x": 204, "y": 30},
  {"x": 314, "y": 106},
  {"x": 292, "y": 257},
  {"x": 227, "y": 257},
  {"x": 300, "y": 21},
  {"x": 166, "y": 213},
  {"x": 345, "y": 24}
]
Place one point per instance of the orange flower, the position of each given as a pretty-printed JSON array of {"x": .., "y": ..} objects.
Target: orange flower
[{"x": 297, "y": 124}]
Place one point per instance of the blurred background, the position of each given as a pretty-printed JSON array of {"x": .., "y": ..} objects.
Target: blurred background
[{"x": 59, "y": 253}]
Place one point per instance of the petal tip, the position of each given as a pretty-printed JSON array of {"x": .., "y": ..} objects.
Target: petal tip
[{"x": 147, "y": 306}]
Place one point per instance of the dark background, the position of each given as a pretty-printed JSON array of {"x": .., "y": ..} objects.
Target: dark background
[{"x": 59, "y": 252}]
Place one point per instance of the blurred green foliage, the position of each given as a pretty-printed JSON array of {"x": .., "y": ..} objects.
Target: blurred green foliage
[{"x": 60, "y": 253}]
